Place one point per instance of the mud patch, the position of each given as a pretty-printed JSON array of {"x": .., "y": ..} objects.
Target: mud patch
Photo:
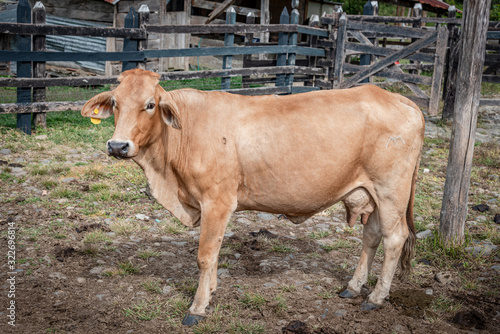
[
  {"x": 413, "y": 302},
  {"x": 92, "y": 227},
  {"x": 470, "y": 319}
]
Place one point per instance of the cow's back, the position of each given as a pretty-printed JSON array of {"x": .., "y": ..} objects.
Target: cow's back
[{"x": 301, "y": 153}]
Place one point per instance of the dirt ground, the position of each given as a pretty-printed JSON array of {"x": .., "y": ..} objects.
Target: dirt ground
[{"x": 91, "y": 258}]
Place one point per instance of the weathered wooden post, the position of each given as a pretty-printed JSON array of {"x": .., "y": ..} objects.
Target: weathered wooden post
[
  {"x": 39, "y": 93},
  {"x": 416, "y": 13},
  {"x": 437, "y": 76},
  {"x": 471, "y": 60},
  {"x": 451, "y": 68},
  {"x": 227, "y": 61},
  {"x": 265, "y": 18},
  {"x": 143, "y": 43},
  {"x": 282, "y": 40},
  {"x": 250, "y": 19},
  {"x": 338, "y": 70},
  {"x": 24, "y": 67},
  {"x": 313, "y": 43},
  {"x": 292, "y": 40},
  {"x": 131, "y": 21},
  {"x": 370, "y": 8}
]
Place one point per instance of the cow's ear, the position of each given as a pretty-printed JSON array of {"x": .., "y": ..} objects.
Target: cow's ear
[
  {"x": 100, "y": 106},
  {"x": 169, "y": 112}
]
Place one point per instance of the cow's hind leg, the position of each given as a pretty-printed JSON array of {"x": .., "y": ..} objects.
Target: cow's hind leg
[
  {"x": 371, "y": 240},
  {"x": 213, "y": 224},
  {"x": 395, "y": 232}
]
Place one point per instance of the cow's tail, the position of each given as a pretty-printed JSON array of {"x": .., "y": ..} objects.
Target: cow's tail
[{"x": 408, "y": 248}]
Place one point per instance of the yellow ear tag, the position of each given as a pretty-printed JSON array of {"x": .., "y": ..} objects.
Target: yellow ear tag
[{"x": 95, "y": 120}]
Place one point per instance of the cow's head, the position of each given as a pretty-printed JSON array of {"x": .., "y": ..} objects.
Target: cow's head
[{"x": 140, "y": 107}]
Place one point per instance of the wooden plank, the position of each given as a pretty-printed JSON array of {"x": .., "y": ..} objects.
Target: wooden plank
[
  {"x": 130, "y": 45},
  {"x": 395, "y": 19},
  {"x": 437, "y": 77},
  {"x": 240, "y": 10},
  {"x": 71, "y": 56},
  {"x": 36, "y": 107},
  {"x": 493, "y": 35},
  {"x": 143, "y": 44},
  {"x": 395, "y": 74},
  {"x": 417, "y": 91},
  {"x": 93, "y": 81},
  {"x": 381, "y": 51},
  {"x": 261, "y": 90},
  {"x": 414, "y": 47},
  {"x": 338, "y": 73},
  {"x": 219, "y": 9},
  {"x": 220, "y": 28},
  {"x": 250, "y": 19},
  {"x": 489, "y": 102},
  {"x": 39, "y": 93},
  {"x": 419, "y": 101},
  {"x": 491, "y": 78},
  {"x": 458, "y": 172},
  {"x": 312, "y": 31},
  {"x": 24, "y": 67},
  {"x": 282, "y": 41},
  {"x": 57, "y": 30},
  {"x": 227, "y": 61},
  {"x": 360, "y": 37},
  {"x": 292, "y": 40},
  {"x": 395, "y": 31},
  {"x": 303, "y": 89}
]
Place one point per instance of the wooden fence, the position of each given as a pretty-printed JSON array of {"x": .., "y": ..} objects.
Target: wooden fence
[{"x": 322, "y": 55}]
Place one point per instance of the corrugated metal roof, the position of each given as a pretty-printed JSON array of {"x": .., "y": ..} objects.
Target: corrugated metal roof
[{"x": 77, "y": 43}]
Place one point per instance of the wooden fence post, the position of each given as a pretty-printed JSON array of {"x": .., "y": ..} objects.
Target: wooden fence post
[
  {"x": 39, "y": 93},
  {"x": 458, "y": 172},
  {"x": 227, "y": 61},
  {"x": 131, "y": 21},
  {"x": 437, "y": 76},
  {"x": 143, "y": 43},
  {"x": 451, "y": 67},
  {"x": 292, "y": 40},
  {"x": 331, "y": 51},
  {"x": 416, "y": 13},
  {"x": 248, "y": 41},
  {"x": 282, "y": 40},
  {"x": 24, "y": 67},
  {"x": 370, "y": 8},
  {"x": 338, "y": 70},
  {"x": 313, "y": 43}
]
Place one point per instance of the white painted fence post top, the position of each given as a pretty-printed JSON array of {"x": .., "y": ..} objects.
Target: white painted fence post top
[
  {"x": 144, "y": 8},
  {"x": 38, "y": 4},
  {"x": 417, "y": 6},
  {"x": 374, "y": 3},
  {"x": 251, "y": 14},
  {"x": 452, "y": 8},
  {"x": 231, "y": 10}
]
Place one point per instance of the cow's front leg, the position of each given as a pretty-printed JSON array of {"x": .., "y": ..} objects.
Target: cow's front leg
[{"x": 213, "y": 225}]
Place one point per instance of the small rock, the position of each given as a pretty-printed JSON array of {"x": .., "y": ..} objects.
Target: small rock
[
  {"x": 340, "y": 313},
  {"x": 443, "y": 278},
  {"x": 135, "y": 239},
  {"x": 68, "y": 179},
  {"x": 41, "y": 137},
  {"x": 166, "y": 239},
  {"x": 269, "y": 285},
  {"x": 481, "y": 250},
  {"x": 81, "y": 280},
  {"x": 178, "y": 243},
  {"x": 229, "y": 234},
  {"x": 223, "y": 272},
  {"x": 481, "y": 218},
  {"x": 424, "y": 234},
  {"x": 153, "y": 229},
  {"x": 355, "y": 239},
  {"x": 265, "y": 216},
  {"x": 426, "y": 170},
  {"x": 496, "y": 267},
  {"x": 237, "y": 256},
  {"x": 100, "y": 297},
  {"x": 496, "y": 220},
  {"x": 57, "y": 275},
  {"x": 429, "y": 292},
  {"x": 141, "y": 216},
  {"x": 481, "y": 207},
  {"x": 168, "y": 254},
  {"x": 167, "y": 289},
  {"x": 5, "y": 151},
  {"x": 308, "y": 287}
]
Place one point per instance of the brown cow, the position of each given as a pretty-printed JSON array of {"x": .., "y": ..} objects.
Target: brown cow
[{"x": 209, "y": 154}]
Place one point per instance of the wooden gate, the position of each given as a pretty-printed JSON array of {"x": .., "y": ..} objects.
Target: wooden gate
[{"x": 397, "y": 53}]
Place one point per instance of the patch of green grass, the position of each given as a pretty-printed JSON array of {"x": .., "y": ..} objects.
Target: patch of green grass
[
  {"x": 442, "y": 305},
  {"x": 147, "y": 254},
  {"x": 338, "y": 244},
  {"x": 320, "y": 234},
  {"x": 280, "y": 246},
  {"x": 172, "y": 226},
  {"x": 288, "y": 288},
  {"x": 128, "y": 268},
  {"x": 188, "y": 286},
  {"x": 153, "y": 286},
  {"x": 147, "y": 310},
  {"x": 125, "y": 228},
  {"x": 253, "y": 300},
  {"x": 63, "y": 192},
  {"x": 241, "y": 327},
  {"x": 49, "y": 184},
  {"x": 96, "y": 237},
  {"x": 280, "y": 306}
]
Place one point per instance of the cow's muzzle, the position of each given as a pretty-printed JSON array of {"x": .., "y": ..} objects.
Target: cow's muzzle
[{"x": 119, "y": 148}]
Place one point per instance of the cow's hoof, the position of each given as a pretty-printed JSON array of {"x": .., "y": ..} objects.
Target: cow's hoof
[
  {"x": 347, "y": 294},
  {"x": 192, "y": 319},
  {"x": 369, "y": 306}
]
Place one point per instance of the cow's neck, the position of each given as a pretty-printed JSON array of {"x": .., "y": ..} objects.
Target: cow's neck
[{"x": 164, "y": 184}]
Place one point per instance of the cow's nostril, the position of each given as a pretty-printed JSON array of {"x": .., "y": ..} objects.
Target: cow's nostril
[{"x": 124, "y": 148}]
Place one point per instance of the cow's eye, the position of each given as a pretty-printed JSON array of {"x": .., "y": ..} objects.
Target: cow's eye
[{"x": 150, "y": 106}]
